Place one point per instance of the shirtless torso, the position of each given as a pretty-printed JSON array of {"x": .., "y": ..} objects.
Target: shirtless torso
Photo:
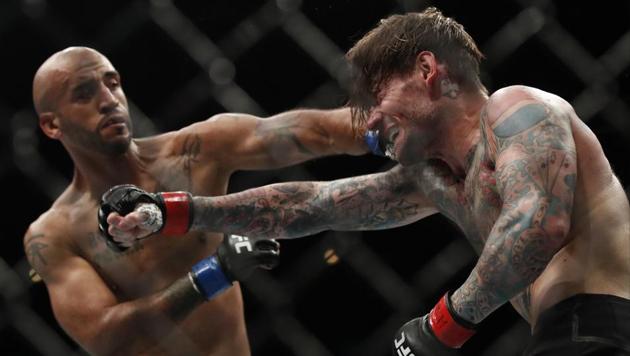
[
  {"x": 66, "y": 249},
  {"x": 216, "y": 327},
  {"x": 596, "y": 256},
  {"x": 141, "y": 301}
]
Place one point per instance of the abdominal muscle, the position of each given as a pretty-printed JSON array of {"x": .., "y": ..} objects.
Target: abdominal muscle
[{"x": 596, "y": 260}]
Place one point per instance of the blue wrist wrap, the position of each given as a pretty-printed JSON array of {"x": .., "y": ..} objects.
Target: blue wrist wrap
[
  {"x": 371, "y": 139},
  {"x": 209, "y": 278}
]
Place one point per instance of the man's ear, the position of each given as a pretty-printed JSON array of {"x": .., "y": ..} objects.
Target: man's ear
[
  {"x": 427, "y": 67},
  {"x": 49, "y": 123}
]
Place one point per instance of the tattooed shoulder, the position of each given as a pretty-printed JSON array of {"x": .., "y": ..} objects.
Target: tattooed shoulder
[
  {"x": 35, "y": 246},
  {"x": 525, "y": 117}
]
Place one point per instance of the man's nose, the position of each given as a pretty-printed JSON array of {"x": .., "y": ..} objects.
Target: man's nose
[{"x": 108, "y": 101}]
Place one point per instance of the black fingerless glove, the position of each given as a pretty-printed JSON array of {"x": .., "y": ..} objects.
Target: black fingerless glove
[{"x": 176, "y": 208}]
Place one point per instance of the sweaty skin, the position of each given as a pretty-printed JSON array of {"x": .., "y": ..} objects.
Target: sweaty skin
[
  {"x": 537, "y": 200},
  {"x": 140, "y": 301}
]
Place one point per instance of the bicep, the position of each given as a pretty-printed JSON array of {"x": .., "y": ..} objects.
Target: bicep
[
  {"x": 536, "y": 167},
  {"x": 243, "y": 141},
  {"x": 78, "y": 295}
]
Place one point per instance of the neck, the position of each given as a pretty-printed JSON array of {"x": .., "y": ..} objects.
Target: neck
[
  {"x": 460, "y": 133},
  {"x": 96, "y": 173}
]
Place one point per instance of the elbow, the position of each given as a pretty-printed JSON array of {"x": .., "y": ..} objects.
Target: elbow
[
  {"x": 98, "y": 347},
  {"x": 102, "y": 341},
  {"x": 557, "y": 229},
  {"x": 114, "y": 348},
  {"x": 110, "y": 334}
]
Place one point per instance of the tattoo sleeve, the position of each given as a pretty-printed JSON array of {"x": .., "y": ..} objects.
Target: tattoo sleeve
[
  {"x": 536, "y": 174},
  {"x": 376, "y": 201}
]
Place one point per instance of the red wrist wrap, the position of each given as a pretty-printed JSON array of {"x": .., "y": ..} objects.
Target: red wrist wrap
[
  {"x": 178, "y": 207},
  {"x": 445, "y": 328}
]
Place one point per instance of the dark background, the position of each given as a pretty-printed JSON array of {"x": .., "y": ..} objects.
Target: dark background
[{"x": 183, "y": 61}]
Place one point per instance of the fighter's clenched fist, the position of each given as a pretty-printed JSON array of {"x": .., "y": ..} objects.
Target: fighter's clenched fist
[{"x": 128, "y": 213}]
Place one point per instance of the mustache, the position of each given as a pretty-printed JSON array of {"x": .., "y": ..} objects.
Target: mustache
[{"x": 118, "y": 117}]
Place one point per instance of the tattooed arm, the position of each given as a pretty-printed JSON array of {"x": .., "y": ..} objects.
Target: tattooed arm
[
  {"x": 536, "y": 175},
  {"x": 241, "y": 141},
  {"x": 87, "y": 308},
  {"x": 286, "y": 210}
]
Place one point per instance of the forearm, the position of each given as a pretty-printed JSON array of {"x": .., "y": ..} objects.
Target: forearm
[
  {"x": 274, "y": 211},
  {"x": 139, "y": 325},
  {"x": 321, "y": 132},
  {"x": 287, "y": 210},
  {"x": 515, "y": 254},
  {"x": 295, "y": 136}
]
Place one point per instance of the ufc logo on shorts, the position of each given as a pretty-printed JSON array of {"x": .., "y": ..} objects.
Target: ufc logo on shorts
[
  {"x": 401, "y": 349},
  {"x": 242, "y": 242}
]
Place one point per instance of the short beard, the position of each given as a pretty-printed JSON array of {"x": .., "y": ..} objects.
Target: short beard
[
  {"x": 92, "y": 141},
  {"x": 117, "y": 148}
]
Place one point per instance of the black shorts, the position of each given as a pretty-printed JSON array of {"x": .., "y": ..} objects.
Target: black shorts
[{"x": 584, "y": 324}]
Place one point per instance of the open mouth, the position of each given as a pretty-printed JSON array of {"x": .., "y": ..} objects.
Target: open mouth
[{"x": 389, "y": 151}]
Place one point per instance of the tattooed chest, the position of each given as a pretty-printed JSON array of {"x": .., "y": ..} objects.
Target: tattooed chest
[
  {"x": 483, "y": 200},
  {"x": 473, "y": 203}
]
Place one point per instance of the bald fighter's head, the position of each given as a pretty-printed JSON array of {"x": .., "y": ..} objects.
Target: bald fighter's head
[
  {"x": 52, "y": 76},
  {"x": 79, "y": 100}
]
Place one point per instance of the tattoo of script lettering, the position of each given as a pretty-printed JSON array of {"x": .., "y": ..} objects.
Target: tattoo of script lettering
[{"x": 536, "y": 174}]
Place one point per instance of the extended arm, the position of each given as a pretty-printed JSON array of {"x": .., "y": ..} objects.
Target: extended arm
[
  {"x": 284, "y": 210},
  {"x": 92, "y": 315},
  {"x": 536, "y": 176},
  {"x": 241, "y": 141}
]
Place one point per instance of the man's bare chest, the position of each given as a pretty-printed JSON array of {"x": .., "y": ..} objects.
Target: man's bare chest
[
  {"x": 472, "y": 202},
  {"x": 150, "y": 265},
  {"x": 482, "y": 199}
]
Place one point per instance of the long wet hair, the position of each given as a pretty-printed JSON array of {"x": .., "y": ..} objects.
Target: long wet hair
[{"x": 391, "y": 50}]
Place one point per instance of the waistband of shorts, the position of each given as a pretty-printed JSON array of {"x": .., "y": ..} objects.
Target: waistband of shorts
[{"x": 566, "y": 306}]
